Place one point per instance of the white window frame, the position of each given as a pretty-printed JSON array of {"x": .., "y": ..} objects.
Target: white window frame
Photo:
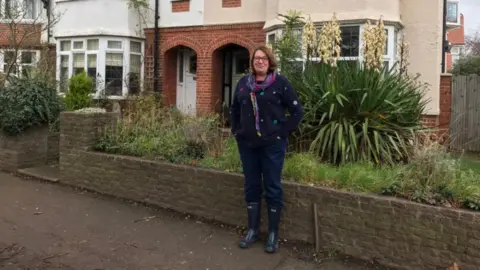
[
  {"x": 101, "y": 53},
  {"x": 141, "y": 53},
  {"x": 276, "y": 32},
  {"x": 456, "y": 2},
  {"x": 39, "y": 17},
  {"x": 457, "y": 52},
  {"x": 19, "y": 60},
  {"x": 390, "y": 57},
  {"x": 93, "y": 52},
  {"x": 125, "y": 60}
]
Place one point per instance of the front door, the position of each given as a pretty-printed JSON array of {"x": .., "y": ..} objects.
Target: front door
[
  {"x": 187, "y": 81},
  {"x": 240, "y": 64}
]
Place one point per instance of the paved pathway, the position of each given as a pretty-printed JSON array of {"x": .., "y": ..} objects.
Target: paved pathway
[{"x": 48, "y": 226}]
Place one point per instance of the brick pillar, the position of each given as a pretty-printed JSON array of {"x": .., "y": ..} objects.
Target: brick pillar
[
  {"x": 217, "y": 81},
  {"x": 80, "y": 131},
  {"x": 445, "y": 102},
  {"x": 204, "y": 85},
  {"x": 169, "y": 75}
]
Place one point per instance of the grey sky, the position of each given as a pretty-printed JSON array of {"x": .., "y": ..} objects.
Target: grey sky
[{"x": 471, "y": 11}]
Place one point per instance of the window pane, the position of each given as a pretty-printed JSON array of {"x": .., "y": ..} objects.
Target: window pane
[
  {"x": 30, "y": 9},
  {"x": 114, "y": 74},
  {"x": 350, "y": 41},
  {"x": 386, "y": 42},
  {"x": 114, "y": 44},
  {"x": 242, "y": 63},
  {"x": 10, "y": 62},
  {"x": 180, "y": 68},
  {"x": 135, "y": 63},
  {"x": 114, "y": 59},
  {"x": 27, "y": 71},
  {"x": 78, "y": 45},
  {"x": 11, "y": 9},
  {"x": 65, "y": 46},
  {"x": 63, "y": 73},
  {"x": 455, "y": 58},
  {"x": 134, "y": 76},
  {"x": 452, "y": 12},
  {"x": 64, "y": 61},
  {"x": 28, "y": 57},
  {"x": 78, "y": 63},
  {"x": 92, "y": 68},
  {"x": 135, "y": 47},
  {"x": 92, "y": 44},
  {"x": 192, "y": 64},
  {"x": 395, "y": 43},
  {"x": 271, "y": 39},
  {"x": 9, "y": 56}
]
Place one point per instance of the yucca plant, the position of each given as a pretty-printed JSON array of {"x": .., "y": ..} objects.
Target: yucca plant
[{"x": 359, "y": 114}]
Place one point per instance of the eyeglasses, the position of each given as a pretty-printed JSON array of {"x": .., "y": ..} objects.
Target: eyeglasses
[{"x": 260, "y": 59}]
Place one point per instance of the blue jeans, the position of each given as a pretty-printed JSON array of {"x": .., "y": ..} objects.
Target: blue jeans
[{"x": 265, "y": 162}]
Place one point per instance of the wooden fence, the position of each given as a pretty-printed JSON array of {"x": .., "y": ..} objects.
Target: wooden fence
[{"x": 465, "y": 116}]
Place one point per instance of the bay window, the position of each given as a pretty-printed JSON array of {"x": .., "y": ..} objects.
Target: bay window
[
  {"x": 351, "y": 44},
  {"x": 114, "y": 64}
]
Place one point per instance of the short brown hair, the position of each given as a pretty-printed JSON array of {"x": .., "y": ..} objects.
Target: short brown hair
[{"x": 272, "y": 62}]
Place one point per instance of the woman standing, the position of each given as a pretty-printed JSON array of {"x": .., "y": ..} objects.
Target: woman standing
[{"x": 261, "y": 129}]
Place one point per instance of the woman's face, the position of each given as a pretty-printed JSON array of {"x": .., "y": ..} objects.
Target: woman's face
[{"x": 260, "y": 62}]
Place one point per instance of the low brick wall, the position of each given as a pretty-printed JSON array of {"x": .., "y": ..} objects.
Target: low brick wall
[
  {"x": 392, "y": 232},
  {"x": 27, "y": 149}
]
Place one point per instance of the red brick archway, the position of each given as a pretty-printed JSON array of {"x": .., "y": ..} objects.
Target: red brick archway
[
  {"x": 231, "y": 39},
  {"x": 224, "y": 73},
  {"x": 181, "y": 41},
  {"x": 204, "y": 40}
]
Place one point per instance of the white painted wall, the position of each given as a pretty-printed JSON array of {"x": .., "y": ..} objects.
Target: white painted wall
[
  {"x": 96, "y": 17},
  {"x": 250, "y": 11},
  {"x": 169, "y": 19}
]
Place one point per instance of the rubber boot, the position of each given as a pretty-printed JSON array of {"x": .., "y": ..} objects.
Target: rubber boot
[
  {"x": 274, "y": 214},
  {"x": 253, "y": 232}
]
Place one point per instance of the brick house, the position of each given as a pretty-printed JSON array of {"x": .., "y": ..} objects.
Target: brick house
[
  {"x": 456, "y": 37},
  {"x": 22, "y": 35},
  {"x": 205, "y": 45}
]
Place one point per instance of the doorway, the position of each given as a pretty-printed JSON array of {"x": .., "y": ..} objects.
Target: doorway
[
  {"x": 187, "y": 81},
  {"x": 236, "y": 63}
]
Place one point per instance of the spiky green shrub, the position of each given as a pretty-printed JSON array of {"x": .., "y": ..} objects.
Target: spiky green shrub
[{"x": 359, "y": 114}]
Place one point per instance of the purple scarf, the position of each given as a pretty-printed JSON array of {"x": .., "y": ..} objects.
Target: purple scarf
[{"x": 254, "y": 88}]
